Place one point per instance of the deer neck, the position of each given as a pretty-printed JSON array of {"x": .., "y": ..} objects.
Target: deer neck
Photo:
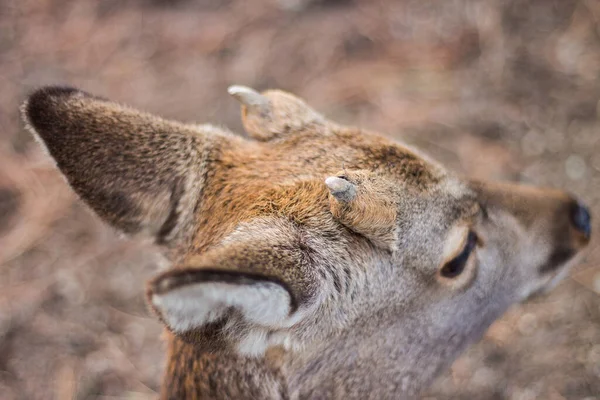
[
  {"x": 382, "y": 358},
  {"x": 193, "y": 372},
  {"x": 372, "y": 360}
]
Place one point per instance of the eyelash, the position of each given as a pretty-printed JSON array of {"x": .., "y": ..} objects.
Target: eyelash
[{"x": 455, "y": 267}]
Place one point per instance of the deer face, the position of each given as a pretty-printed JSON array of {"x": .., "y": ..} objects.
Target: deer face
[
  {"x": 464, "y": 236},
  {"x": 378, "y": 274},
  {"x": 460, "y": 253}
]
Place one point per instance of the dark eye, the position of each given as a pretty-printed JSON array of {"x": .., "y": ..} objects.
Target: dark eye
[{"x": 455, "y": 267}]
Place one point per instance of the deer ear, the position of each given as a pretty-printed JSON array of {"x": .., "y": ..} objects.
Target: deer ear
[
  {"x": 258, "y": 280},
  {"x": 274, "y": 113},
  {"x": 191, "y": 298},
  {"x": 140, "y": 173}
]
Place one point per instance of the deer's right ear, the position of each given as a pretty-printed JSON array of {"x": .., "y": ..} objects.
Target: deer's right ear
[{"x": 140, "y": 173}]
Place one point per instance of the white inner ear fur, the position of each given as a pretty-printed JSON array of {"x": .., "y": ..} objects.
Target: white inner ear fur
[{"x": 263, "y": 303}]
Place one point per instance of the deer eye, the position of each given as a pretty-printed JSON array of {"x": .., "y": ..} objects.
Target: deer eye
[{"x": 455, "y": 267}]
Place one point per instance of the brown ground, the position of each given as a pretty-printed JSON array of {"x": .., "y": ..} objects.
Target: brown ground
[{"x": 497, "y": 89}]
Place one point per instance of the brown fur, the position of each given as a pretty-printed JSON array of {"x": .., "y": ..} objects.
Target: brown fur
[{"x": 282, "y": 288}]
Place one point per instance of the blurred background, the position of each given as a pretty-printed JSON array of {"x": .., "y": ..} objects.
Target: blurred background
[{"x": 497, "y": 89}]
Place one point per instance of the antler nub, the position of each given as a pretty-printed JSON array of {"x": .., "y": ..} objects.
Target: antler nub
[
  {"x": 340, "y": 188},
  {"x": 248, "y": 96}
]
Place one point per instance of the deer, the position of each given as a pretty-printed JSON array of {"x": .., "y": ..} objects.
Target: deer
[{"x": 307, "y": 259}]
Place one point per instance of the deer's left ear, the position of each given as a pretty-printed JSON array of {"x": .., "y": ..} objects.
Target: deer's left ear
[
  {"x": 274, "y": 113},
  {"x": 258, "y": 278},
  {"x": 191, "y": 298}
]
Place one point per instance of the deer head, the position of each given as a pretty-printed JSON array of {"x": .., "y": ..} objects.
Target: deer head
[{"x": 311, "y": 260}]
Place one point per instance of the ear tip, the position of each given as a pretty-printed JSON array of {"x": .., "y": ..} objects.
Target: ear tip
[
  {"x": 45, "y": 94},
  {"x": 41, "y": 103},
  {"x": 54, "y": 90}
]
